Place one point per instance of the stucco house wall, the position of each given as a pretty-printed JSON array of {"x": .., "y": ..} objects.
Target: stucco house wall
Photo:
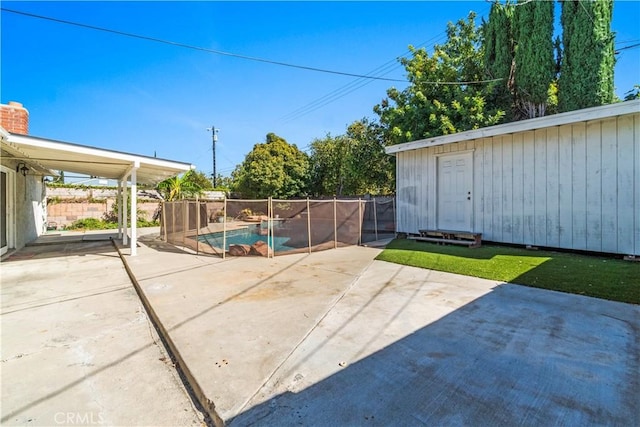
[{"x": 29, "y": 214}]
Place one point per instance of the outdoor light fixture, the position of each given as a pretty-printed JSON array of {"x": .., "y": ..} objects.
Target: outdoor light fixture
[{"x": 22, "y": 167}]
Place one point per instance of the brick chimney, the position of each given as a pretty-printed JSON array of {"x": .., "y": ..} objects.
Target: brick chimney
[{"x": 14, "y": 118}]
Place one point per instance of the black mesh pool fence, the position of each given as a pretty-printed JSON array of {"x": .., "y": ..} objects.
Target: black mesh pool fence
[{"x": 270, "y": 227}]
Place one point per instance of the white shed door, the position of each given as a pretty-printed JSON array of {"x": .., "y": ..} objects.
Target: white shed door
[{"x": 455, "y": 182}]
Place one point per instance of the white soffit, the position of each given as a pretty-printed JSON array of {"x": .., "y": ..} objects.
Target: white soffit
[{"x": 86, "y": 160}]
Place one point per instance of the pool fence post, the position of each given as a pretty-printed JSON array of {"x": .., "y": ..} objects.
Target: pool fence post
[
  {"x": 164, "y": 219},
  {"x": 375, "y": 217},
  {"x": 224, "y": 228},
  {"x": 185, "y": 222},
  {"x": 309, "y": 223},
  {"x": 335, "y": 224},
  {"x": 270, "y": 242},
  {"x": 197, "y": 224},
  {"x": 360, "y": 219},
  {"x": 393, "y": 208}
]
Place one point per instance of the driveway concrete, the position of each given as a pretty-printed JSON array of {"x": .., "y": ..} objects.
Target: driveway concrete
[
  {"x": 77, "y": 347},
  {"x": 336, "y": 338}
]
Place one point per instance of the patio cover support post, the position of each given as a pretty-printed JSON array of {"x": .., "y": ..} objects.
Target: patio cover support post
[
  {"x": 125, "y": 236},
  {"x": 134, "y": 210},
  {"x": 119, "y": 212}
]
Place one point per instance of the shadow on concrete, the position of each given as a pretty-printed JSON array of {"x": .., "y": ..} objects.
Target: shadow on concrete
[
  {"x": 153, "y": 241},
  {"x": 87, "y": 376},
  {"x": 516, "y": 356},
  {"x": 63, "y": 249}
]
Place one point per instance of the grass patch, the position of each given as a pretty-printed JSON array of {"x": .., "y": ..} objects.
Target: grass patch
[{"x": 595, "y": 276}]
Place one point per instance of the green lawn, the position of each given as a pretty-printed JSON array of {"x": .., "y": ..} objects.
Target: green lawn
[{"x": 596, "y": 276}]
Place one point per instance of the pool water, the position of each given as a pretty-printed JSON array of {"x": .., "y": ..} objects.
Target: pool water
[{"x": 244, "y": 236}]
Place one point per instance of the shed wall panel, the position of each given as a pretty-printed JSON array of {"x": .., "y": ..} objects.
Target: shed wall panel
[
  {"x": 507, "y": 189},
  {"x": 540, "y": 187},
  {"x": 573, "y": 186},
  {"x": 594, "y": 186},
  {"x": 609, "y": 194},
  {"x": 578, "y": 186},
  {"x": 565, "y": 186},
  {"x": 553, "y": 189},
  {"x": 528, "y": 188},
  {"x": 517, "y": 187},
  {"x": 627, "y": 177}
]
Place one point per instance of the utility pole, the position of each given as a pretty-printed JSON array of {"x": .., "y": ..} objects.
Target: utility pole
[{"x": 214, "y": 138}]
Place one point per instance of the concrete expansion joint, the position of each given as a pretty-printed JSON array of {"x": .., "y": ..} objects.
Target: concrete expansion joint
[
  {"x": 355, "y": 280},
  {"x": 194, "y": 390}
]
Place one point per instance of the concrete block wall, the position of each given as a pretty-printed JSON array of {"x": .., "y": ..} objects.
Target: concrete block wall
[{"x": 66, "y": 205}]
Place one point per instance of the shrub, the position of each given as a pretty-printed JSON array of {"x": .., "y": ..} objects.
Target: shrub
[{"x": 91, "y": 224}]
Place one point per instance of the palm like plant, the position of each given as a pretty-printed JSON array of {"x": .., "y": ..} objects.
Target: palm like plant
[{"x": 179, "y": 187}]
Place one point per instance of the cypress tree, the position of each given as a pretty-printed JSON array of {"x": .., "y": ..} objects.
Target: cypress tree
[
  {"x": 498, "y": 57},
  {"x": 535, "y": 65},
  {"x": 586, "y": 77}
]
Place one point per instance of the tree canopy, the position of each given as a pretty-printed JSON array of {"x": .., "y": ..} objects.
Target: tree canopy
[
  {"x": 274, "y": 168},
  {"x": 443, "y": 96},
  {"x": 586, "y": 76},
  {"x": 535, "y": 67},
  {"x": 351, "y": 164}
]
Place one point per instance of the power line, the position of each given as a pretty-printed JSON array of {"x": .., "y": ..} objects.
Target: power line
[
  {"x": 198, "y": 48},
  {"x": 633, "y": 46},
  {"x": 348, "y": 88}
]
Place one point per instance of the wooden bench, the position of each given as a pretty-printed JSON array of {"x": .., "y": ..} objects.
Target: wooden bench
[{"x": 466, "y": 238}]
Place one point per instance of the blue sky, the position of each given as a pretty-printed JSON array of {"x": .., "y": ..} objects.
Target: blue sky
[{"x": 111, "y": 91}]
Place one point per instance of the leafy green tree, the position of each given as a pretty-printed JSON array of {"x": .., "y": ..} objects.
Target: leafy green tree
[
  {"x": 373, "y": 170},
  {"x": 223, "y": 183},
  {"x": 328, "y": 168},
  {"x": 200, "y": 179},
  {"x": 534, "y": 60},
  {"x": 181, "y": 187},
  {"x": 352, "y": 164},
  {"x": 274, "y": 168},
  {"x": 586, "y": 77},
  {"x": 442, "y": 97}
]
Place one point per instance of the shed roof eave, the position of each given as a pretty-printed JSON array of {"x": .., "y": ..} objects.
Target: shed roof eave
[{"x": 593, "y": 113}]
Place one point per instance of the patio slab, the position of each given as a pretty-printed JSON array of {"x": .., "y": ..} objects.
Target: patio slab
[
  {"x": 77, "y": 347},
  {"x": 335, "y": 338}
]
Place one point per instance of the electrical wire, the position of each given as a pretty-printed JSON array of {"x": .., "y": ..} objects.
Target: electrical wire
[
  {"x": 198, "y": 48},
  {"x": 348, "y": 88},
  {"x": 633, "y": 46}
]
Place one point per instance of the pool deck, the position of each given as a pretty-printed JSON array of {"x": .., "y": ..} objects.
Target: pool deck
[
  {"x": 337, "y": 338},
  {"x": 328, "y": 338}
]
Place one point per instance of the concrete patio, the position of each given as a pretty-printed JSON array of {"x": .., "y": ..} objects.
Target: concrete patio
[{"x": 336, "y": 338}]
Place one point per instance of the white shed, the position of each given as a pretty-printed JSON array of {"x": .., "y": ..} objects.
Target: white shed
[{"x": 570, "y": 180}]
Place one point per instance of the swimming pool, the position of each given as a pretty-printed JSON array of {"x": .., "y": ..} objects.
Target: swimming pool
[{"x": 244, "y": 236}]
